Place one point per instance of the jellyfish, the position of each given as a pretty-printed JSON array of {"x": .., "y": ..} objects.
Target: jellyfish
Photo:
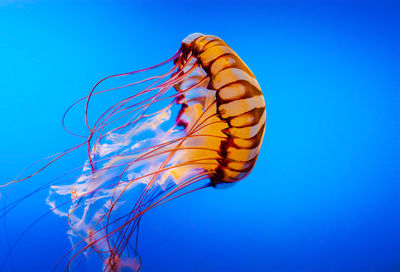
[{"x": 198, "y": 124}]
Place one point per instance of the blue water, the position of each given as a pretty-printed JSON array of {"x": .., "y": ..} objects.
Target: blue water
[{"x": 325, "y": 192}]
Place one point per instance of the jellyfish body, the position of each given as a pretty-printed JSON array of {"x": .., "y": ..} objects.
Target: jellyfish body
[
  {"x": 239, "y": 105},
  {"x": 199, "y": 124}
]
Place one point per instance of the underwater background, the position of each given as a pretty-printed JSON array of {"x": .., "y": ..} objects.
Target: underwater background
[{"x": 325, "y": 192}]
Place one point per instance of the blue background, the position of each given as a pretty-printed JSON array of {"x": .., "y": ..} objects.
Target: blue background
[{"x": 325, "y": 193}]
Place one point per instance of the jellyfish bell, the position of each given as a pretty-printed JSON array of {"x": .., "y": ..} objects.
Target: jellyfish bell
[
  {"x": 199, "y": 124},
  {"x": 239, "y": 104}
]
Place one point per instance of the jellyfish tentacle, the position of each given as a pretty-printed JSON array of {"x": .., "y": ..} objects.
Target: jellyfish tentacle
[
  {"x": 114, "y": 231},
  {"x": 119, "y": 75},
  {"x": 136, "y": 107},
  {"x": 151, "y": 181},
  {"x": 139, "y": 202},
  {"x": 138, "y": 216},
  {"x": 111, "y": 89},
  {"x": 43, "y": 167},
  {"x": 164, "y": 200},
  {"x": 147, "y": 89},
  {"x": 165, "y": 87},
  {"x": 137, "y": 104}
]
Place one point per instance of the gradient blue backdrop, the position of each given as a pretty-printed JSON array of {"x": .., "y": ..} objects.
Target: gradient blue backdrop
[{"x": 325, "y": 193}]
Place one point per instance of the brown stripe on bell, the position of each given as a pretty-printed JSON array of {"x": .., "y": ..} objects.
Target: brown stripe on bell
[
  {"x": 241, "y": 154},
  {"x": 246, "y": 119},
  {"x": 230, "y": 75},
  {"x": 215, "y": 56},
  {"x": 222, "y": 62},
  {"x": 224, "y": 176},
  {"x": 219, "y": 179},
  {"x": 240, "y": 106},
  {"x": 238, "y": 165},
  {"x": 228, "y": 60},
  {"x": 251, "y": 142},
  {"x": 200, "y": 43},
  {"x": 246, "y": 132},
  {"x": 233, "y": 152},
  {"x": 232, "y": 175},
  {"x": 237, "y": 90},
  {"x": 210, "y": 55}
]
